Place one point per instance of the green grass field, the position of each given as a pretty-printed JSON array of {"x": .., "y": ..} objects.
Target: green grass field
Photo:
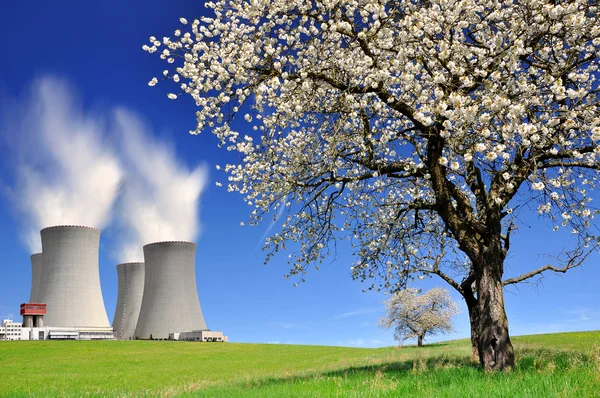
[{"x": 554, "y": 365}]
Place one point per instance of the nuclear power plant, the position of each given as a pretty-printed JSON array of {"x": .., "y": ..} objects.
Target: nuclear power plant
[
  {"x": 70, "y": 284},
  {"x": 129, "y": 300},
  {"x": 170, "y": 302},
  {"x": 157, "y": 299},
  {"x": 36, "y": 276}
]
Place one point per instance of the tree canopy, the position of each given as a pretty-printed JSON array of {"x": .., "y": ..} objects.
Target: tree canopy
[
  {"x": 413, "y": 314},
  {"x": 419, "y": 130}
]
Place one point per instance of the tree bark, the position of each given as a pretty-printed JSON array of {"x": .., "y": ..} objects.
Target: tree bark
[
  {"x": 474, "y": 320},
  {"x": 495, "y": 349},
  {"x": 473, "y": 307},
  {"x": 420, "y": 341}
]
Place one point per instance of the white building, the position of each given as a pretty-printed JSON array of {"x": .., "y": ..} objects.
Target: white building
[
  {"x": 15, "y": 331},
  {"x": 10, "y": 330},
  {"x": 76, "y": 333},
  {"x": 200, "y": 335}
]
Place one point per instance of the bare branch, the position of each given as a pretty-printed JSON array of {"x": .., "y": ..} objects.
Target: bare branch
[{"x": 574, "y": 261}]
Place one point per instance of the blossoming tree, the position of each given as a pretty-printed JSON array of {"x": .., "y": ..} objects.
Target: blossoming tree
[
  {"x": 417, "y": 129},
  {"x": 415, "y": 315}
]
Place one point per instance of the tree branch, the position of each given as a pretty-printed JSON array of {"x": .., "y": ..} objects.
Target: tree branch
[
  {"x": 574, "y": 262},
  {"x": 436, "y": 271},
  {"x": 511, "y": 227}
]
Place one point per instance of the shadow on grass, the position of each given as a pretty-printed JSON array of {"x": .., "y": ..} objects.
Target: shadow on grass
[
  {"x": 396, "y": 368},
  {"x": 430, "y": 345},
  {"x": 527, "y": 360}
]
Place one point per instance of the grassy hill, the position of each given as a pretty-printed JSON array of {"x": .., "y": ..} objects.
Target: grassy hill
[{"x": 561, "y": 365}]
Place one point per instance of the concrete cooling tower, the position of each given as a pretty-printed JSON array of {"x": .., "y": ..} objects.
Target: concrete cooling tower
[
  {"x": 36, "y": 275},
  {"x": 70, "y": 282},
  {"x": 129, "y": 301},
  {"x": 170, "y": 303}
]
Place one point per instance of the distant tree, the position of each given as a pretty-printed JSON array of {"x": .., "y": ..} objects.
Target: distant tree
[
  {"x": 418, "y": 130},
  {"x": 415, "y": 315}
]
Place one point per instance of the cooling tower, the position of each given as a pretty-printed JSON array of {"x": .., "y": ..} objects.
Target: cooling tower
[
  {"x": 70, "y": 283},
  {"x": 36, "y": 275},
  {"x": 129, "y": 301},
  {"x": 170, "y": 303}
]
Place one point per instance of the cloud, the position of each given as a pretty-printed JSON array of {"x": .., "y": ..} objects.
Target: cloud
[
  {"x": 160, "y": 194},
  {"x": 65, "y": 171},
  {"x": 580, "y": 314},
  {"x": 355, "y": 313}
]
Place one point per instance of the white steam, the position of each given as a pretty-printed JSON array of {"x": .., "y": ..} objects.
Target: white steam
[
  {"x": 71, "y": 166},
  {"x": 160, "y": 195},
  {"x": 65, "y": 171}
]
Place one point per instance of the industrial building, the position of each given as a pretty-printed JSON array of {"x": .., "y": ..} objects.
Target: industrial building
[
  {"x": 200, "y": 335},
  {"x": 10, "y": 330},
  {"x": 70, "y": 279},
  {"x": 33, "y": 314},
  {"x": 129, "y": 300},
  {"x": 36, "y": 276},
  {"x": 157, "y": 299},
  {"x": 170, "y": 301},
  {"x": 67, "y": 277},
  {"x": 33, "y": 328},
  {"x": 33, "y": 321}
]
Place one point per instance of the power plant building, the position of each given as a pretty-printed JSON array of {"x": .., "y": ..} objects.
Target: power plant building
[
  {"x": 170, "y": 301},
  {"x": 70, "y": 282},
  {"x": 129, "y": 300},
  {"x": 157, "y": 299},
  {"x": 36, "y": 276}
]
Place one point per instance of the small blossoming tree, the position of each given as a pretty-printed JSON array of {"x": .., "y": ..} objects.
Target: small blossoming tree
[
  {"x": 417, "y": 129},
  {"x": 415, "y": 315}
]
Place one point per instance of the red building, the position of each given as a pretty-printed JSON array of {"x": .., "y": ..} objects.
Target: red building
[{"x": 33, "y": 314}]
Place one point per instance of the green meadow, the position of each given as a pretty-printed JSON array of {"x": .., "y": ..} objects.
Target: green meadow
[{"x": 553, "y": 365}]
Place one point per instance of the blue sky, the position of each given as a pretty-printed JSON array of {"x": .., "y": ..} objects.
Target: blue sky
[{"x": 94, "y": 48}]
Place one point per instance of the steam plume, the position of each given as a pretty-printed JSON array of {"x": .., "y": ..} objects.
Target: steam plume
[
  {"x": 160, "y": 195},
  {"x": 65, "y": 171}
]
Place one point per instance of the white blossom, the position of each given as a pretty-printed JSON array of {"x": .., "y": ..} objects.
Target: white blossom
[
  {"x": 415, "y": 315},
  {"x": 357, "y": 108},
  {"x": 538, "y": 186},
  {"x": 310, "y": 95}
]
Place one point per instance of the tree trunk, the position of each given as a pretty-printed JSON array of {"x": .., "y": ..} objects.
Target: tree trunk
[
  {"x": 420, "y": 341},
  {"x": 474, "y": 320},
  {"x": 473, "y": 307},
  {"x": 495, "y": 349}
]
